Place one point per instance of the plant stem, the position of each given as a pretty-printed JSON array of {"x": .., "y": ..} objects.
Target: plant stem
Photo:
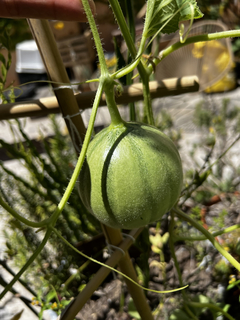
[
  {"x": 23, "y": 283},
  {"x": 200, "y": 238},
  {"x": 199, "y": 38},
  {"x": 81, "y": 158},
  {"x": 209, "y": 236},
  {"x": 108, "y": 85},
  {"x": 79, "y": 271},
  {"x": 96, "y": 37},
  {"x": 29, "y": 262},
  {"x": 22, "y": 219},
  {"x": 108, "y": 266},
  {"x": 105, "y": 79},
  {"x": 147, "y": 100},
  {"x": 131, "y": 24},
  {"x": 123, "y": 27},
  {"x": 144, "y": 73}
]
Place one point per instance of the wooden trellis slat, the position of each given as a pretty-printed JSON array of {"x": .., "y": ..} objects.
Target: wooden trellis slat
[{"x": 132, "y": 93}]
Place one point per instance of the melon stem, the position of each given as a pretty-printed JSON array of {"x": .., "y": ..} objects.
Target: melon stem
[{"x": 108, "y": 85}]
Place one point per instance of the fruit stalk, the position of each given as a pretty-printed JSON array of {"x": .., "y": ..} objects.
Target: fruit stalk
[{"x": 116, "y": 118}]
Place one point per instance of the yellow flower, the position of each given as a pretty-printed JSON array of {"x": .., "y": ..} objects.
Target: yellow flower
[
  {"x": 232, "y": 279},
  {"x": 54, "y": 305}
]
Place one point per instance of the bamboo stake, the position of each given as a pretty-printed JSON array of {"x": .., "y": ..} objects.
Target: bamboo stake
[
  {"x": 56, "y": 71},
  {"x": 99, "y": 277},
  {"x": 126, "y": 267},
  {"x": 67, "y": 102},
  {"x": 132, "y": 93}
]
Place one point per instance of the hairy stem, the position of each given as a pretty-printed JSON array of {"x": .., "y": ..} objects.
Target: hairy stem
[
  {"x": 143, "y": 71},
  {"x": 108, "y": 85},
  {"x": 96, "y": 37}
]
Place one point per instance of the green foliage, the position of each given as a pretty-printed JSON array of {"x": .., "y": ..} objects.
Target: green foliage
[
  {"x": 222, "y": 270},
  {"x": 196, "y": 213},
  {"x": 217, "y": 123},
  {"x": 35, "y": 196},
  {"x": 200, "y": 306},
  {"x": 51, "y": 301},
  {"x": 12, "y": 31},
  {"x": 17, "y": 29},
  {"x": 203, "y": 116},
  {"x": 220, "y": 220},
  {"x": 159, "y": 12}
]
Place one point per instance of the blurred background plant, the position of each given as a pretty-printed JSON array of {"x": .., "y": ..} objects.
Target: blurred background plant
[{"x": 35, "y": 191}]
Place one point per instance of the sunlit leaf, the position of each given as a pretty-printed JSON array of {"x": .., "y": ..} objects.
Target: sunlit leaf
[{"x": 160, "y": 11}]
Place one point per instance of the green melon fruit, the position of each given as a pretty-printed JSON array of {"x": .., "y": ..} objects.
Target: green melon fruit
[{"x": 132, "y": 176}]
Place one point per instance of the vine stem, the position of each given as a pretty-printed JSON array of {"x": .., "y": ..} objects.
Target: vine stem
[
  {"x": 116, "y": 118},
  {"x": 105, "y": 78},
  {"x": 143, "y": 71},
  {"x": 123, "y": 27},
  {"x": 199, "y": 238},
  {"x": 96, "y": 37},
  {"x": 52, "y": 220},
  {"x": 199, "y": 38},
  {"x": 22, "y": 219},
  {"x": 111, "y": 268},
  {"x": 29, "y": 262},
  {"x": 209, "y": 236},
  {"x": 81, "y": 157}
]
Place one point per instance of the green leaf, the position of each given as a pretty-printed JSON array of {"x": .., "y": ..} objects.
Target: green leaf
[
  {"x": 160, "y": 11},
  {"x": 232, "y": 285}
]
